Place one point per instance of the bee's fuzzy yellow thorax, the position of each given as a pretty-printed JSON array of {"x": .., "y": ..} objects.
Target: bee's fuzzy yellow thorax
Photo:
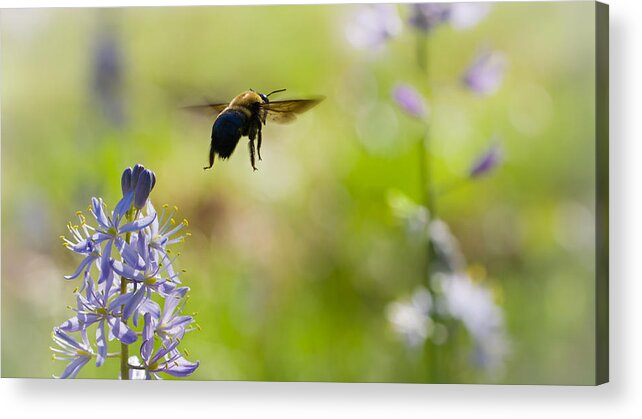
[{"x": 244, "y": 101}]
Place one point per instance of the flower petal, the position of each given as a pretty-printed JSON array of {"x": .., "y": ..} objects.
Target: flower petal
[
  {"x": 487, "y": 161},
  {"x": 177, "y": 325},
  {"x": 178, "y": 366},
  {"x": 64, "y": 338},
  {"x": 127, "y": 271},
  {"x": 126, "y": 181},
  {"x": 147, "y": 347},
  {"x": 122, "y": 207},
  {"x": 134, "y": 302},
  {"x": 129, "y": 254},
  {"x": 119, "y": 301},
  {"x": 151, "y": 307},
  {"x": 485, "y": 75},
  {"x": 104, "y": 261},
  {"x": 86, "y": 261},
  {"x": 143, "y": 188},
  {"x": 137, "y": 224},
  {"x": 101, "y": 343},
  {"x": 172, "y": 301},
  {"x": 121, "y": 331},
  {"x": 85, "y": 246},
  {"x": 71, "y": 325},
  {"x": 99, "y": 213},
  {"x": 169, "y": 346},
  {"x": 74, "y": 367},
  {"x": 410, "y": 100}
]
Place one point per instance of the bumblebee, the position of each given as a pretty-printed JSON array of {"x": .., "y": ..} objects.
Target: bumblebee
[{"x": 244, "y": 116}]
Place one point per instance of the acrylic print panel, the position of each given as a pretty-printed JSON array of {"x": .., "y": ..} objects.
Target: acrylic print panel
[{"x": 429, "y": 203}]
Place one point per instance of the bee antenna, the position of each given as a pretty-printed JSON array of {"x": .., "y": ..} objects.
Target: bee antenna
[{"x": 275, "y": 91}]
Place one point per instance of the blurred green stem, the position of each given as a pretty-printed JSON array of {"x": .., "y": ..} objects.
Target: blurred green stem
[{"x": 431, "y": 355}]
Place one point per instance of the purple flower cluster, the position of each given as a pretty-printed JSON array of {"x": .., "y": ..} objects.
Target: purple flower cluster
[
  {"x": 373, "y": 25},
  {"x": 126, "y": 261},
  {"x": 426, "y": 16},
  {"x": 450, "y": 295}
]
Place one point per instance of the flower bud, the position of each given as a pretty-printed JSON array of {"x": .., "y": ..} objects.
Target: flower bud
[
  {"x": 487, "y": 161},
  {"x": 126, "y": 181},
  {"x": 485, "y": 75},
  {"x": 146, "y": 181},
  {"x": 410, "y": 101},
  {"x": 138, "y": 169}
]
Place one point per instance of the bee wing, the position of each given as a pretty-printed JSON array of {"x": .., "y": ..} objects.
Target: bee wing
[
  {"x": 284, "y": 111},
  {"x": 210, "y": 109}
]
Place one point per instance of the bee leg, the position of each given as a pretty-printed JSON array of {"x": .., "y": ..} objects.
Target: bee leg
[
  {"x": 258, "y": 145},
  {"x": 252, "y": 160},
  {"x": 211, "y": 159}
]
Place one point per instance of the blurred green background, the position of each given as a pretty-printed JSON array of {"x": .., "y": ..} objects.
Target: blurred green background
[{"x": 292, "y": 267}]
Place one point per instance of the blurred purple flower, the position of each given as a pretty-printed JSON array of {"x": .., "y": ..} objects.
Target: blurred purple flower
[
  {"x": 107, "y": 76},
  {"x": 410, "y": 100},
  {"x": 474, "y": 305},
  {"x": 373, "y": 25},
  {"x": 487, "y": 161},
  {"x": 426, "y": 16},
  {"x": 410, "y": 317},
  {"x": 446, "y": 246},
  {"x": 485, "y": 75},
  {"x": 467, "y": 15}
]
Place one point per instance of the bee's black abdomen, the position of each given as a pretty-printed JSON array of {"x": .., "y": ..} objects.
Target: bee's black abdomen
[{"x": 227, "y": 131}]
